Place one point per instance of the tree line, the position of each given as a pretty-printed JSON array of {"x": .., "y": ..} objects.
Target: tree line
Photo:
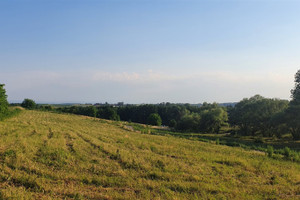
[
  {"x": 268, "y": 117},
  {"x": 255, "y": 116},
  {"x": 181, "y": 117}
]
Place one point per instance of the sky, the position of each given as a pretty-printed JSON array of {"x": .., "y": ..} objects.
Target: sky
[{"x": 148, "y": 51}]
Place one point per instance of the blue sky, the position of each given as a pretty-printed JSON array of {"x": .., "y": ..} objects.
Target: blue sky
[{"x": 148, "y": 51}]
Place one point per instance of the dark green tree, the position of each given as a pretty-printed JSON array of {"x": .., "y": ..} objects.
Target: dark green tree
[
  {"x": 108, "y": 112},
  {"x": 253, "y": 116},
  {"x": 154, "y": 119},
  {"x": 209, "y": 118},
  {"x": 213, "y": 119},
  {"x": 189, "y": 123},
  {"x": 85, "y": 110},
  {"x": 3, "y": 102},
  {"x": 293, "y": 111},
  {"x": 91, "y": 111},
  {"x": 172, "y": 123},
  {"x": 296, "y": 91},
  {"x": 278, "y": 124},
  {"x": 29, "y": 104}
]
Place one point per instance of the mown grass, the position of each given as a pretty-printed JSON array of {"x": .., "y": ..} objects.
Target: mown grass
[
  {"x": 285, "y": 148},
  {"x": 59, "y": 156}
]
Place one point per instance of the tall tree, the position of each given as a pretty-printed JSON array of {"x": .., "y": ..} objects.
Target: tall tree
[
  {"x": 3, "y": 102},
  {"x": 253, "y": 116},
  {"x": 296, "y": 91},
  {"x": 213, "y": 119},
  {"x": 293, "y": 111}
]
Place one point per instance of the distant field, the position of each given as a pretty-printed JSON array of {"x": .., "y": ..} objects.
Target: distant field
[{"x": 59, "y": 156}]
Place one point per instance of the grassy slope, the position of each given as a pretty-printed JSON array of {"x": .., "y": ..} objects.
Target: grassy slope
[{"x": 57, "y": 156}]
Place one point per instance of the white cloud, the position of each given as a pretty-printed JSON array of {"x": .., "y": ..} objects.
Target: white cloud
[{"x": 132, "y": 77}]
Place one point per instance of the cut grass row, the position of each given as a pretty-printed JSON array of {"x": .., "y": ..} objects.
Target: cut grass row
[
  {"x": 284, "y": 149},
  {"x": 60, "y": 156}
]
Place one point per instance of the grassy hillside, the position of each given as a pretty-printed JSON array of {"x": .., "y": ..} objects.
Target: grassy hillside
[{"x": 57, "y": 156}]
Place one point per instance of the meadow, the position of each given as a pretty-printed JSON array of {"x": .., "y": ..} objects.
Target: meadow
[{"x": 46, "y": 155}]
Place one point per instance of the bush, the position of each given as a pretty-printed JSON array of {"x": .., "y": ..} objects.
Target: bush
[
  {"x": 270, "y": 151},
  {"x": 287, "y": 152},
  {"x": 46, "y": 107},
  {"x": 28, "y": 103},
  {"x": 154, "y": 119}
]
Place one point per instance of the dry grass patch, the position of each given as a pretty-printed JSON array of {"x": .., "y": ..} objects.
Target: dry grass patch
[{"x": 60, "y": 156}]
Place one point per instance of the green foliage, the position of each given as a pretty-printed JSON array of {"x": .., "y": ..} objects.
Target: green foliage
[
  {"x": 29, "y": 104},
  {"x": 292, "y": 117},
  {"x": 213, "y": 119},
  {"x": 189, "y": 122},
  {"x": 270, "y": 151},
  {"x": 89, "y": 111},
  {"x": 254, "y": 116},
  {"x": 208, "y": 119},
  {"x": 46, "y": 107},
  {"x": 287, "y": 152},
  {"x": 172, "y": 123},
  {"x": 3, "y": 103},
  {"x": 154, "y": 119},
  {"x": 296, "y": 91},
  {"x": 169, "y": 113},
  {"x": 108, "y": 112},
  {"x": 292, "y": 120},
  {"x": 137, "y": 113}
]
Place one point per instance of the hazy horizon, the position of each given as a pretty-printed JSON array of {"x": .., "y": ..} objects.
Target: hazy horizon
[
  {"x": 95, "y": 102},
  {"x": 148, "y": 51}
]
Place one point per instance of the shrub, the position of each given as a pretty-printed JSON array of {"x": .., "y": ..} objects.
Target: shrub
[
  {"x": 154, "y": 119},
  {"x": 28, "y": 103},
  {"x": 47, "y": 107},
  {"x": 270, "y": 151},
  {"x": 287, "y": 152}
]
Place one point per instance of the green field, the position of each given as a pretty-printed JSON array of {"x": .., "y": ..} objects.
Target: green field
[{"x": 45, "y": 155}]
